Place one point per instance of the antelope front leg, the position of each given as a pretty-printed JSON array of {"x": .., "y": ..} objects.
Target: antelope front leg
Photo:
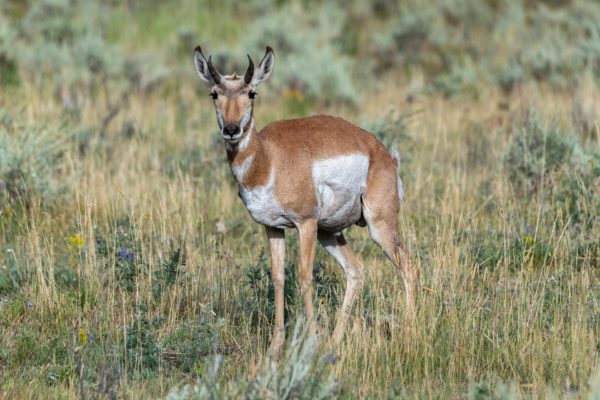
[
  {"x": 277, "y": 245},
  {"x": 307, "y": 233}
]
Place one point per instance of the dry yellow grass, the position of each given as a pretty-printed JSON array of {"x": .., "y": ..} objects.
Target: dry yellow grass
[
  {"x": 510, "y": 297},
  {"x": 473, "y": 324}
]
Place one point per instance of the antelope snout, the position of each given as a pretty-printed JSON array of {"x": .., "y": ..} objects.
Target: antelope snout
[{"x": 231, "y": 130}]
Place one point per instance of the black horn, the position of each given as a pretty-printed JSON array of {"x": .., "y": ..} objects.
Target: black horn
[
  {"x": 213, "y": 72},
  {"x": 250, "y": 70}
]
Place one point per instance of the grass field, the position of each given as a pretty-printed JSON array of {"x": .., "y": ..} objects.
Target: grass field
[{"x": 129, "y": 267}]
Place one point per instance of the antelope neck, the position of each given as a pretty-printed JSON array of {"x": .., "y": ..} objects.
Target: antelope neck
[{"x": 238, "y": 152}]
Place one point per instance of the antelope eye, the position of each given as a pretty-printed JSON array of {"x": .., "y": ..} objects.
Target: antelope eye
[
  {"x": 214, "y": 95},
  {"x": 252, "y": 94}
]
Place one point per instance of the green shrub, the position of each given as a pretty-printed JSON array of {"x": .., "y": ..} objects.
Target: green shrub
[
  {"x": 167, "y": 272},
  {"x": 59, "y": 38},
  {"x": 261, "y": 292},
  {"x": 497, "y": 391},
  {"x": 310, "y": 60},
  {"x": 514, "y": 250},
  {"x": 460, "y": 79},
  {"x": 302, "y": 374},
  {"x": 564, "y": 174},
  {"x": 11, "y": 276},
  {"x": 461, "y": 43},
  {"x": 62, "y": 47},
  {"x": 37, "y": 345},
  {"x": 566, "y": 41},
  {"x": 192, "y": 342},
  {"x": 120, "y": 248},
  {"x": 389, "y": 129},
  {"x": 509, "y": 76},
  {"x": 535, "y": 150},
  {"x": 9, "y": 71},
  {"x": 575, "y": 190},
  {"x": 143, "y": 347},
  {"x": 9, "y": 74},
  {"x": 542, "y": 153},
  {"x": 414, "y": 39},
  {"x": 439, "y": 37},
  {"x": 32, "y": 162}
]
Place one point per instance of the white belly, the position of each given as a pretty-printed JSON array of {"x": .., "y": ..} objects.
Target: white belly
[{"x": 339, "y": 183}]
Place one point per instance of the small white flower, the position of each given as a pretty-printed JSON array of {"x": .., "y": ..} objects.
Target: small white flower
[{"x": 221, "y": 228}]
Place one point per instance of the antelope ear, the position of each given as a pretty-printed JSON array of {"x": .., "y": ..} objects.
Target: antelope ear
[
  {"x": 204, "y": 68},
  {"x": 265, "y": 68}
]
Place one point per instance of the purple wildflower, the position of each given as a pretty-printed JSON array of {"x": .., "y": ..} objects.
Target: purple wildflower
[
  {"x": 572, "y": 389},
  {"x": 332, "y": 358},
  {"x": 597, "y": 218},
  {"x": 91, "y": 337},
  {"x": 528, "y": 229},
  {"x": 2, "y": 185},
  {"x": 125, "y": 255},
  {"x": 29, "y": 304}
]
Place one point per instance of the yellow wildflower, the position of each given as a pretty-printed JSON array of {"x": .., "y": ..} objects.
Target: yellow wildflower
[
  {"x": 83, "y": 336},
  {"x": 528, "y": 239},
  {"x": 76, "y": 241},
  {"x": 294, "y": 94}
]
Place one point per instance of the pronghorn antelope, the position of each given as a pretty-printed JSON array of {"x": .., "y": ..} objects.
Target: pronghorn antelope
[{"x": 317, "y": 174}]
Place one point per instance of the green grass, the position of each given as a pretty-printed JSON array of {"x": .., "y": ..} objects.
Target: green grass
[{"x": 129, "y": 266}]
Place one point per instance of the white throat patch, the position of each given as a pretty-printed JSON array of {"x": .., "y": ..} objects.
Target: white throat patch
[
  {"x": 244, "y": 142},
  {"x": 262, "y": 204},
  {"x": 240, "y": 171}
]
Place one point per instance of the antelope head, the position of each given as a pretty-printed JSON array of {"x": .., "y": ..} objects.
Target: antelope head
[{"x": 233, "y": 95}]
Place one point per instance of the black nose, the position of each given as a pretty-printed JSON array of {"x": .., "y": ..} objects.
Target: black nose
[{"x": 231, "y": 129}]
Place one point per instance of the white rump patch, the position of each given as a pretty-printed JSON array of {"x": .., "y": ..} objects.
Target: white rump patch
[{"x": 340, "y": 182}]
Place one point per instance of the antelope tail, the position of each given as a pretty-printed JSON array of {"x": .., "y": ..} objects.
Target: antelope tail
[{"x": 396, "y": 157}]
